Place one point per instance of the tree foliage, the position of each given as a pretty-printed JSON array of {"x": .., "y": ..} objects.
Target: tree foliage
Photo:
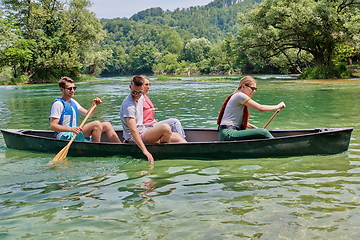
[
  {"x": 7, "y": 31},
  {"x": 293, "y": 34},
  {"x": 142, "y": 58},
  {"x": 182, "y": 38},
  {"x": 197, "y": 50},
  {"x": 212, "y": 21},
  {"x": 54, "y": 38},
  {"x": 44, "y": 39}
]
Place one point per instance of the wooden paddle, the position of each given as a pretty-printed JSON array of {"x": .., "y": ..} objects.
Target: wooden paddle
[
  {"x": 273, "y": 116},
  {"x": 63, "y": 152}
]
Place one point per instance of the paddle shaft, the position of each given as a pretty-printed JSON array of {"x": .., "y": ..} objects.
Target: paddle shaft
[
  {"x": 63, "y": 152},
  {"x": 273, "y": 116},
  {"x": 83, "y": 122}
]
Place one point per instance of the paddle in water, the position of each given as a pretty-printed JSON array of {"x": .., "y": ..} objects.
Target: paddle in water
[
  {"x": 273, "y": 116},
  {"x": 63, "y": 152}
]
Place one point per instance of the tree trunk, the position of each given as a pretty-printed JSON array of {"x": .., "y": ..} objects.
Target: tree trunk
[{"x": 318, "y": 59}]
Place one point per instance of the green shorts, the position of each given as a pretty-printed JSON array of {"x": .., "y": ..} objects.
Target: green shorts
[
  {"x": 80, "y": 137},
  {"x": 231, "y": 134}
]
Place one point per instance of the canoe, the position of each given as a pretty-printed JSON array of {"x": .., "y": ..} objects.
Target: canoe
[{"x": 202, "y": 144}]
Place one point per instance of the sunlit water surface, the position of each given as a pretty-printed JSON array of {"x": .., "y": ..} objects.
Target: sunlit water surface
[{"x": 309, "y": 197}]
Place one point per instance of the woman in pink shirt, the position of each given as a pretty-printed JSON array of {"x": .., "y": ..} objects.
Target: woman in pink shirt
[{"x": 149, "y": 116}]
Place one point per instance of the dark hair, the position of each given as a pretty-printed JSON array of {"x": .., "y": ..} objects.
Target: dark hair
[
  {"x": 63, "y": 80},
  {"x": 138, "y": 80}
]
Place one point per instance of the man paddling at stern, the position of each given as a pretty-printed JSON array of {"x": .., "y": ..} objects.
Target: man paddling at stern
[{"x": 64, "y": 114}]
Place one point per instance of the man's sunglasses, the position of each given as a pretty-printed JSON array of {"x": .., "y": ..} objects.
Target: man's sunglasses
[
  {"x": 70, "y": 88},
  {"x": 252, "y": 88},
  {"x": 135, "y": 92}
]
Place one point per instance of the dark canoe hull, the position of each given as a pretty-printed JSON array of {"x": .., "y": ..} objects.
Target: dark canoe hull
[{"x": 202, "y": 144}]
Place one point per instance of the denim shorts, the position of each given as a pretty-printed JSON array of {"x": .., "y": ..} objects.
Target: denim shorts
[{"x": 131, "y": 140}]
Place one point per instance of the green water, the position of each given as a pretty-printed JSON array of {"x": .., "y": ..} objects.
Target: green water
[{"x": 309, "y": 197}]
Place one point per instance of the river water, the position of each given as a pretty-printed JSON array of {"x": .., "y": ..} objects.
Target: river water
[{"x": 308, "y": 197}]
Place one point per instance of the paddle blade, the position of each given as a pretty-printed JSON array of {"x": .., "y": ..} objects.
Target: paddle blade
[{"x": 62, "y": 154}]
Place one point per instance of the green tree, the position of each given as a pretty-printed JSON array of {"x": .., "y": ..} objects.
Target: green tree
[
  {"x": 296, "y": 33},
  {"x": 225, "y": 58},
  {"x": 7, "y": 38},
  {"x": 212, "y": 21},
  {"x": 95, "y": 61},
  {"x": 7, "y": 34},
  {"x": 197, "y": 50},
  {"x": 142, "y": 59},
  {"x": 64, "y": 34},
  {"x": 169, "y": 31},
  {"x": 20, "y": 54},
  {"x": 171, "y": 41},
  {"x": 88, "y": 32},
  {"x": 168, "y": 64},
  {"x": 117, "y": 63}
]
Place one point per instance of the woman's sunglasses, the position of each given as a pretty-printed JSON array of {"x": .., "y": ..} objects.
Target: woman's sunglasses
[{"x": 252, "y": 88}]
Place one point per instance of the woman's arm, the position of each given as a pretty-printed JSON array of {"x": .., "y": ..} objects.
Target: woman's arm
[{"x": 264, "y": 108}]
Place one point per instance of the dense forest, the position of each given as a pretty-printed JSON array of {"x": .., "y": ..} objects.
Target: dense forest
[
  {"x": 41, "y": 40},
  {"x": 175, "y": 42}
]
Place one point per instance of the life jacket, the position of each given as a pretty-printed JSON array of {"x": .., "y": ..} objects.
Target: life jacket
[
  {"x": 67, "y": 116},
  {"x": 245, "y": 118}
]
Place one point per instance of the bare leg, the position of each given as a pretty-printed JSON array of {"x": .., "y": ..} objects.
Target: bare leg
[
  {"x": 110, "y": 132},
  {"x": 161, "y": 132},
  {"x": 175, "y": 126},
  {"x": 176, "y": 137},
  {"x": 93, "y": 129}
]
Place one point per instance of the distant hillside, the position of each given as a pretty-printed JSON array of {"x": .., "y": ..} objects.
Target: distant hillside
[
  {"x": 212, "y": 21},
  {"x": 198, "y": 38}
]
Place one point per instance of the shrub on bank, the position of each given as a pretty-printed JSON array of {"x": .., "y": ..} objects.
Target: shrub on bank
[
  {"x": 327, "y": 72},
  {"x": 20, "y": 79},
  {"x": 5, "y": 76}
]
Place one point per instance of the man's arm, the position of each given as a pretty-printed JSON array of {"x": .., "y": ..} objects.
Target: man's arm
[
  {"x": 131, "y": 122},
  {"x": 55, "y": 126},
  {"x": 84, "y": 111}
]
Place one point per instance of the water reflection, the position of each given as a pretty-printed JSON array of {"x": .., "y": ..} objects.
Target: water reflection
[{"x": 252, "y": 198}]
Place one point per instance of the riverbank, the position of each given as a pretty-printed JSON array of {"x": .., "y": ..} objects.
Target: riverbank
[{"x": 5, "y": 78}]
